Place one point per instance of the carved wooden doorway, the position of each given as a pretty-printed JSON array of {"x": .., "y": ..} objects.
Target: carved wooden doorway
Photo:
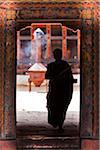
[
  {"x": 74, "y": 14},
  {"x": 65, "y": 38}
]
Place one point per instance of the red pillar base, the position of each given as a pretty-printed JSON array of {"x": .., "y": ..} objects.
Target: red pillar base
[
  {"x": 90, "y": 144},
  {"x": 7, "y": 145}
]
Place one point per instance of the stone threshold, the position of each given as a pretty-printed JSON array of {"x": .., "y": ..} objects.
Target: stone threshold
[{"x": 41, "y": 142}]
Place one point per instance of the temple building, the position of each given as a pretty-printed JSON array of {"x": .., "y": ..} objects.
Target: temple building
[
  {"x": 29, "y": 32},
  {"x": 35, "y": 43}
]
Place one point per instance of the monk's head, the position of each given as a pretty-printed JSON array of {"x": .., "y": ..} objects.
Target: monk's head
[{"x": 57, "y": 54}]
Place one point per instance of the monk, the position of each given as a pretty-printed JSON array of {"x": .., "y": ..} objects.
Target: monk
[{"x": 60, "y": 89}]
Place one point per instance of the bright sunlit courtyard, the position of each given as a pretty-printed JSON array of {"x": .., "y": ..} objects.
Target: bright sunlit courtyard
[
  {"x": 36, "y": 99},
  {"x": 31, "y": 111},
  {"x": 31, "y": 106}
]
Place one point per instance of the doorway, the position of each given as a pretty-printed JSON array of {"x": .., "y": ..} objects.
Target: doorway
[
  {"x": 31, "y": 96},
  {"x": 79, "y": 15}
]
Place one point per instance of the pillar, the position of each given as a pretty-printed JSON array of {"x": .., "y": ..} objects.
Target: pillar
[
  {"x": 89, "y": 126},
  {"x": 7, "y": 80},
  {"x": 48, "y": 33},
  {"x": 32, "y": 41},
  {"x": 18, "y": 45},
  {"x": 64, "y": 41},
  {"x": 78, "y": 44}
]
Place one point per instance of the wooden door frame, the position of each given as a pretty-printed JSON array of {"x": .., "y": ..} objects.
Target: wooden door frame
[{"x": 13, "y": 13}]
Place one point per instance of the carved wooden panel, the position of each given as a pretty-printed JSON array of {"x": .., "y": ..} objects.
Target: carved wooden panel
[
  {"x": 7, "y": 75},
  {"x": 2, "y": 55},
  {"x": 96, "y": 74},
  {"x": 87, "y": 81},
  {"x": 10, "y": 79}
]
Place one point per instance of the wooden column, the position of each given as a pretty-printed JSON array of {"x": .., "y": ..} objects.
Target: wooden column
[
  {"x": 64, "y": 41},
  {"x": 48, "y": 33},
  {"x": 78, "y": 44},
  {"x": 7, "y": 75},
  {"x": 2, "y": 60},
  {"x": 10, "y": 76},
  {"x": 32, "y": 41},
  {"x": 18, "y": 45}
]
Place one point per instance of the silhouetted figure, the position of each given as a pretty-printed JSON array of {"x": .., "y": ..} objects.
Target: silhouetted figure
[{"x": 60, "y": 89}]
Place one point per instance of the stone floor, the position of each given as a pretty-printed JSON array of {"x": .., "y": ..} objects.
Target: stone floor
[
  {"x": 35, "y": 123},
  {"x": 34, "y": 132}
]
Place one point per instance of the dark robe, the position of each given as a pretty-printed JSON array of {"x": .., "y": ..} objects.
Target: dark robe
[{"x": 60, "y": 91}]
